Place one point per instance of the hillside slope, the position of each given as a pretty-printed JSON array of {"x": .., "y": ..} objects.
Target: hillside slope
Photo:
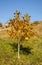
[
  {"x": 37, "y": 27},
  {"x": 30, "y": 52}
]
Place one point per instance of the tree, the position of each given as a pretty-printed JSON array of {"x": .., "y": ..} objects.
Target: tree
[
  {"x": 1, "y": 24},
  {"x": 20, "y": 31}
]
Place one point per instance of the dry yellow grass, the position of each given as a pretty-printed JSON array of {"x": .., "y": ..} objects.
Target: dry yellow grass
[{"x": 3, "y": 33}]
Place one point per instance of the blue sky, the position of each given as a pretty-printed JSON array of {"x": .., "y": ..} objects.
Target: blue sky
[{"x": 32, "y": 7}]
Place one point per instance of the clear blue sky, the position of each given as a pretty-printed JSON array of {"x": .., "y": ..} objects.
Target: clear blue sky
[{"x": 32, "y": 7}]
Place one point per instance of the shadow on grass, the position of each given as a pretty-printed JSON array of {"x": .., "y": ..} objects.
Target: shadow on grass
[{"x": 23, "y": 50}]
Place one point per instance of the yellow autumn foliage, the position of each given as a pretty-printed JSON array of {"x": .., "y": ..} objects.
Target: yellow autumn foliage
[
  {"x": 19, "y": 30},
  {"x": 26, "y": 38}
]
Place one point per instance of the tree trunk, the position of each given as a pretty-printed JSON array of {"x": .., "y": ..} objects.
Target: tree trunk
[{"x": 18, "y": 50}]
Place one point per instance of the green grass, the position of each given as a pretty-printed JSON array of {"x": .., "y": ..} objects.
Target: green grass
[{"x": 30, "y": 52}]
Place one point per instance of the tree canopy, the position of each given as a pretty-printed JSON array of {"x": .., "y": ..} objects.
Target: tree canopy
[{"x": 21, "y": 29}]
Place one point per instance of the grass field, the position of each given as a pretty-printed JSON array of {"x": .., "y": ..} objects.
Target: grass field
[{"x": 30, "y": 52}]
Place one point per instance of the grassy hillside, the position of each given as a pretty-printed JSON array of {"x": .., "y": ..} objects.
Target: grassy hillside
[{"x": 30, "y": 52}]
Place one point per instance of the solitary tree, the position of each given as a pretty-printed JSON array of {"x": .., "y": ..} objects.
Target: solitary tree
[{"x": 20, "y": 31}]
